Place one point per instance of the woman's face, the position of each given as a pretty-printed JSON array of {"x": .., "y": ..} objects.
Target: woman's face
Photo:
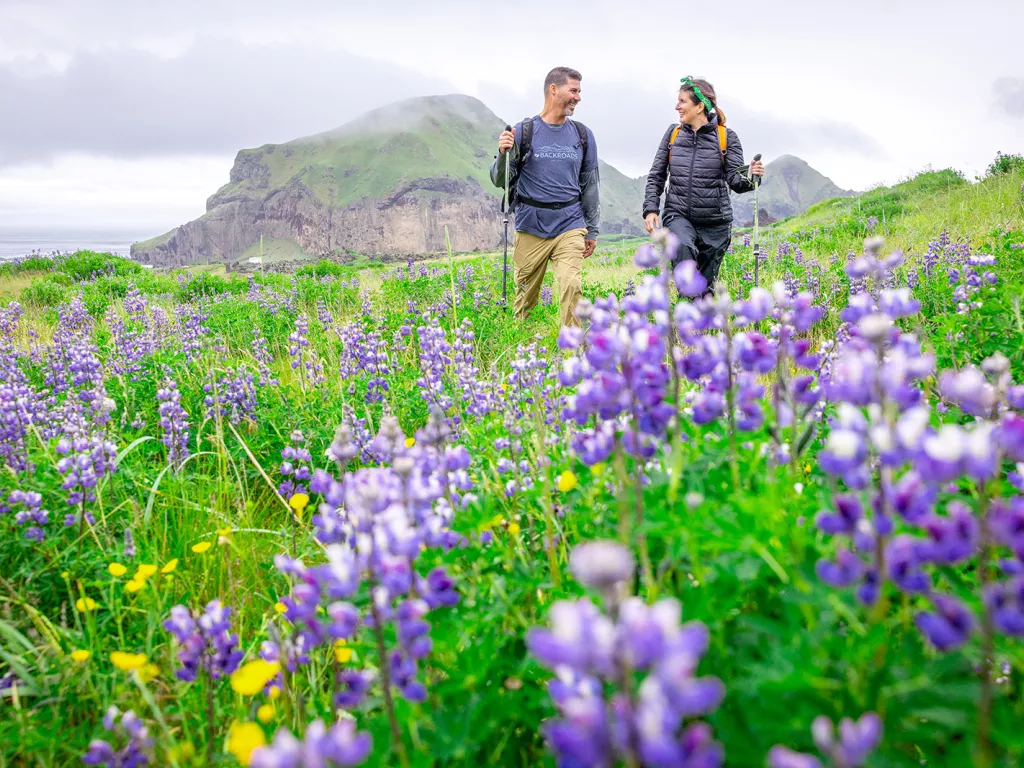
[{"x": 688, "y": 107}]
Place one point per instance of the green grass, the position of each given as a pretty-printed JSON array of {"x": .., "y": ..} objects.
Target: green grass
[{"x": 740, "y": 558}]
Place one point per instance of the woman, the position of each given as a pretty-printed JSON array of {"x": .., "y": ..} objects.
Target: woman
[{"x": 702, "y": 160}]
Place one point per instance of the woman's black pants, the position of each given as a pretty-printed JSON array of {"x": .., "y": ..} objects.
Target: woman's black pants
[{"x": 704, "y": 243}]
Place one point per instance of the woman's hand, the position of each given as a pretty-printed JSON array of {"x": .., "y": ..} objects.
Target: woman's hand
[
  {"x": 506, "y": 141},
  {"x": 757, "y": 168},
  {"x": 651, "y": 222}
]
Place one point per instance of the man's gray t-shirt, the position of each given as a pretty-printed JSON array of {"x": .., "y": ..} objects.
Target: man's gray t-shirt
[{"x": 552, "y": 175}]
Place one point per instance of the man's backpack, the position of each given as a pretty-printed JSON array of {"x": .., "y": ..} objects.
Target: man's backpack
[
  {"x": 526, "y": 147},
  {"x": 722, "y": 141}
]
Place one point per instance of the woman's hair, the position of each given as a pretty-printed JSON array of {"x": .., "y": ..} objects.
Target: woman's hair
[{"x": 709, "y": 92}]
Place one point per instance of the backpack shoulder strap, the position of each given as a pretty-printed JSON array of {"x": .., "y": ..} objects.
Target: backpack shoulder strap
[
  {"x": 584, "y": 135},
  {"x": 525, "y": 141},
  {"x": 723, "y": 140},
  {"x": 672, "y": 140}
]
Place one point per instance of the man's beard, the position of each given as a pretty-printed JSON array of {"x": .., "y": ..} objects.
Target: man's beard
[{"x": 570, "y": 106}]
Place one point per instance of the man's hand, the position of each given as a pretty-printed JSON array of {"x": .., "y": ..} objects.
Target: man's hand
[
  {"x": 651, "y": 222},
  {"x": 757, "y": 168},
  {"x": 506, "y": 141},
  {"x": 588, "y": 248}
]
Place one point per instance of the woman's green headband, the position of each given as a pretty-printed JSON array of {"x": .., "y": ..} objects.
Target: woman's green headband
[{"x": 688, "y": 83}]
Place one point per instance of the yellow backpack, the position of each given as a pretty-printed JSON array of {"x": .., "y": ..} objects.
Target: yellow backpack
[{"x": 722, "y": 141}]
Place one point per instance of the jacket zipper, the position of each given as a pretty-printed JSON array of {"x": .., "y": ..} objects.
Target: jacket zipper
[{"x": 689, "y": 192}]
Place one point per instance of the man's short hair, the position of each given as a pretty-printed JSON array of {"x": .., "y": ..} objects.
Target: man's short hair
[{"x": 560, "y": 76}]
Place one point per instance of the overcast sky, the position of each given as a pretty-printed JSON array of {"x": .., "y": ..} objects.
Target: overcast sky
[{"x": 127, "y": 115}]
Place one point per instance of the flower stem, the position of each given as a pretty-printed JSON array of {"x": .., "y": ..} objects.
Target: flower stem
[
  {"x": 385, "y": 678},
  {"x": 730, "y": 399},
  {"x": 209, "y": 721},
  {"x": 983, "y": 755},
  {"x": 645, "y": 556}
]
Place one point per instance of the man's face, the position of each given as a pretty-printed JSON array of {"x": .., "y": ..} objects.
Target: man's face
[{"x": 567, "y": 96}]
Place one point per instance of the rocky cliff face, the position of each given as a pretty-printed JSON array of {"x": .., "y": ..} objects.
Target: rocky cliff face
[{"x": 411, "y": 220}]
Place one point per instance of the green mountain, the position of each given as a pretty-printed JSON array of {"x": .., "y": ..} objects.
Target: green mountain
[
  {"x": 386, "y": 183},
  {"x": 790, "y": 187}
]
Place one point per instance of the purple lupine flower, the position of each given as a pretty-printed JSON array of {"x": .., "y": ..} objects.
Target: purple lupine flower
[
  {"x": 129, "y": 544},
  {"x": 1005, "y": 601},
  {"x": 261, "y": 351},
  {"x": 304, "y": 358},
  {"x": 32, "y": 516},
  {"x": 588, "y": 649},
  {"x": 949, "y": 626},
  {"x": 137, "y": 751},
  {"x": 294, "y": 468},
  {"x": 689, "y": 280},
  {"x": 174, "y": 422},
  {"x": 192, "y": 321},
  {"x": 207, "y": 642},
  {"x": 232, "y": 396},
  {"x": 340, "y": 745},
  {"x": 856, "y": 741},
  {"x": 83, "y": 463},
  {"x": 435, "y": 360}
]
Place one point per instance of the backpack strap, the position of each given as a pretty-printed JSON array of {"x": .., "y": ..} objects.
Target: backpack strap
[
  {"x": 525, "y": 146},
  {"x": 525, "y": 141},
  {"x": 672, "y": 140},
  {"x": 584, "y": 135},
  {"x": 723, "y": 141}
]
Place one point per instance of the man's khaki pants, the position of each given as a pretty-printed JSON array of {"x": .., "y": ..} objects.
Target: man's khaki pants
[{"x": 530, "y": 257}]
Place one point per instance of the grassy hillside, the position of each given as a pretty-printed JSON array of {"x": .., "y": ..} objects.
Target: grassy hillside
[
  {"x": 912, "y": 213},
  {"x": 372, "y": 157}
]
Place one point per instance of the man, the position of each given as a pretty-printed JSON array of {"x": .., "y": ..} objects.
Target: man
[{"x": 556, "y": 195}]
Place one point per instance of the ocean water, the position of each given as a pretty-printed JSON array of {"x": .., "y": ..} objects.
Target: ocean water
[{"x": 17, "y": 243}]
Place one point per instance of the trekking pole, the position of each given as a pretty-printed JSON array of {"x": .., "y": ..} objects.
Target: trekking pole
[
  {"x": 505, "y": 210},
  {"x": 757, "y": 256}
]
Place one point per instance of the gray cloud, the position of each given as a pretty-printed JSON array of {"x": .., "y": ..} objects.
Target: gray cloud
[
  {"x": 628, "y": 122},
  {"x": 1008, "y": 93},
  {"x": 218, "y": 96}
]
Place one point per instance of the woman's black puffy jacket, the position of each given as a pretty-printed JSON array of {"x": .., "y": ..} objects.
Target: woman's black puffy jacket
[{"x": 698, "y": 184}]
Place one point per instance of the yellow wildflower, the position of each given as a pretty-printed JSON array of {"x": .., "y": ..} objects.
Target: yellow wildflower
[
  {"x": 252, "y": 677},
  {"x": 145, "y": 571},
  {"x": 410, "y": 442},
  {"x": 170, "y": 567},
  {"x": 182, "y": 753},
  {"x": 280, "y": 607},
  {"x": 128, "y": 661},
  {"x": 807, "y": 469},
  {"x": 598, "y": 469},
  {"x": 514, "y": 529},
  {"x": 85, "y": 604},
  {"x": 224, "y": 531},
  {"x": 243, "y": 739},
  {"x": 566, "y": 481},
  {"x": 80, "y": 655},
  {"x": 274, "y": 693},
  {"x": 265, "y": 713},
  {"x": 148, "y": 672},
  {"x": 298, "y": 502},
  {"x": 342, "y": 653},
  {"x": 201, "y": 547},
  {"x": 116, "y": 570},
  {"x": 135, "y": 585}
]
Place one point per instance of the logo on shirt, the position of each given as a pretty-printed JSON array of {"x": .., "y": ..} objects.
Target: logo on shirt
[{"x": 558, "y": 152}]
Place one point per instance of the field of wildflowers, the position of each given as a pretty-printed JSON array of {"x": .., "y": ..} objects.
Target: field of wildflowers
[{"x": 364, "y": 517}]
